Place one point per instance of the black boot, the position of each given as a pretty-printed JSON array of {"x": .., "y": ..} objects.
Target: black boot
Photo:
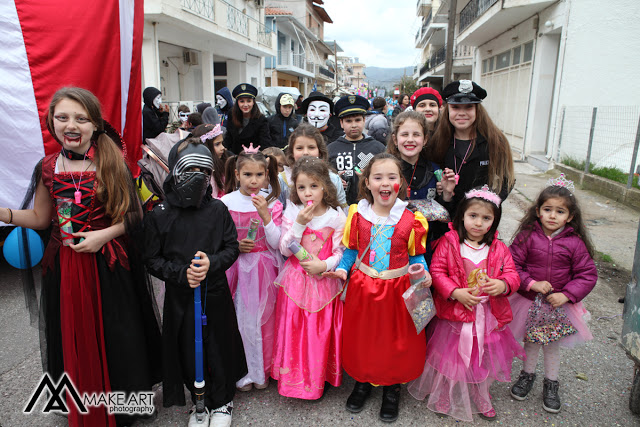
[
  {"x": 550, "y": 399},
  {"x": 358, "y": 397},
  {"x": 390, "y": 402},
  {"x": 523, "y": 386}
]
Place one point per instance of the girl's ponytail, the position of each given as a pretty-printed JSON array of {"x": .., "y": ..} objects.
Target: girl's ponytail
[
  {"x": 230, "y": 183},
  {"x": 272, "y": 172}
]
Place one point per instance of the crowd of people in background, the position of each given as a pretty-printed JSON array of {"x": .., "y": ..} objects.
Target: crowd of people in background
[{"x": 304, "y": 231}]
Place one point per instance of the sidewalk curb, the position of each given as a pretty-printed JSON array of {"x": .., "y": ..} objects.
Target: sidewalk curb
[{"x": 614, "y": 190}]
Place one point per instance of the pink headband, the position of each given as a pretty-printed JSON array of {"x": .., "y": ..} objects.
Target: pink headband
[
  {"x": 217, "y": 130},
  {"x": 485, "y": 194}
]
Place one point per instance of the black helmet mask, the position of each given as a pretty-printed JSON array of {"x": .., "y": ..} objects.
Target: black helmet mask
[{"x": 189, "y": 179}]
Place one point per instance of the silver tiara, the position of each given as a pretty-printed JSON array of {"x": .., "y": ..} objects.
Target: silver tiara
[{"x": 561, "y": 181}]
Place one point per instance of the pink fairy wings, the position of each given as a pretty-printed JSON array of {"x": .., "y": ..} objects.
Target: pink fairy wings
[
  {"x": 485, "y": 194},
  {"x": 250, "y": 149},
  {"x": 217, "y": 130}
]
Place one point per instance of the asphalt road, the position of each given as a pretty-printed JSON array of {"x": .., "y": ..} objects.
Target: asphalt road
[{"x": 600, "y": 400}]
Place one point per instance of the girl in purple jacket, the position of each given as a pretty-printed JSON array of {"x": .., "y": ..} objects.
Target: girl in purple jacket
[{"x": 554, "y": 257}]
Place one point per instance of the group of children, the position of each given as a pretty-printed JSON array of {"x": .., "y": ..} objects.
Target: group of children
[{"x": 296, "y": 289}]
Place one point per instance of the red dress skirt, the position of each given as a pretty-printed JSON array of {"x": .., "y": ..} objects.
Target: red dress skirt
[{"x": 380, "y": 344}]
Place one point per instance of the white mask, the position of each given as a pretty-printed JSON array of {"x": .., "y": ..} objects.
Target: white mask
[
  {"x": 157, "y": 101},
  {"x": 220, "y": 101},
  {"x": 318, "y": 113}
]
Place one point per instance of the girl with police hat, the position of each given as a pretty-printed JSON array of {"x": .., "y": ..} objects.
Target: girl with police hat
[
  {"x": 247, "y": 124},
  {"x": 472, "y": 149}
]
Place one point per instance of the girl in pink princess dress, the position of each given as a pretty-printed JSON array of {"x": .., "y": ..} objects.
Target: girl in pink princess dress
[
  {"x": 309, "y": 313},
  {"x": 257, "y": 219},
  {"x": 470, "y": 345}
]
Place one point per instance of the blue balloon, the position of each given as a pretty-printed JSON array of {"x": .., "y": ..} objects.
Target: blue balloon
[{"x": 14, "y": 248}]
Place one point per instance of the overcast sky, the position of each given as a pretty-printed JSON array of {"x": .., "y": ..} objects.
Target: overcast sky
[{"x": 380, "y": 32}]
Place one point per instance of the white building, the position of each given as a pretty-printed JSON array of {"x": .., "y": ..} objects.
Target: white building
[
  {"x": 538, "y": 57},
  {"x": 192, "y": 48},
  {"x": 300, "y": 28}
]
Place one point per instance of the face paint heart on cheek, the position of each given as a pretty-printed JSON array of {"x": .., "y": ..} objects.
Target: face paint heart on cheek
[{"x": 396, "y": 187}]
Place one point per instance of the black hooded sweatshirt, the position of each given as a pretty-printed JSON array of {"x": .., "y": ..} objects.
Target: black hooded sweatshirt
[
  {"x": 154, "y": 122},
  {"x": 280, "y": 127}
]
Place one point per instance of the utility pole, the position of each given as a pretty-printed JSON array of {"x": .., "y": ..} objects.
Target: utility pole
[{"x": 451, "y": 28}]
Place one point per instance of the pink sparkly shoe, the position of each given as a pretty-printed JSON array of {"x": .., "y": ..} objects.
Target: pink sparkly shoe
[{"x": 490, "y": 415}]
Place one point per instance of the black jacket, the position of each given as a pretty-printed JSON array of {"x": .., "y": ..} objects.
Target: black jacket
[
  {"x": 280, "y": 127},
  {"x": 256, "y": 132},
  {"x": 172, "y": 236},
  {"x": 154, "y": 122},
  {"x": 332, "y": 132},
  {"x": 345, "y": 155},
  {"x": 473, "y": 173}
]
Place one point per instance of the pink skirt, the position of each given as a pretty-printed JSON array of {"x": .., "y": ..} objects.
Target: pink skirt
[
  {"x": 576, "y": 314},
  {"x": 453, "y": 388},
  {"x": 307, "y": 348}
]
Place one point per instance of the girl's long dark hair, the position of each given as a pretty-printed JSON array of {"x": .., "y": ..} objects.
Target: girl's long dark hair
[
  {"x": 236, "y": 113},
  {"x": 218, "y": 163},
  {"x": 236, "y": 162},
  {"x": 500, "y": 159},
  {"x": 458, "y": 220},
  {"x": 554, "y": 191}
]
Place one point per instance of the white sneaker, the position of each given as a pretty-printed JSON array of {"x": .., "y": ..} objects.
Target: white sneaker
[
  {"x": 221, "y": 417},
  {"x": 202, "y": 421}
]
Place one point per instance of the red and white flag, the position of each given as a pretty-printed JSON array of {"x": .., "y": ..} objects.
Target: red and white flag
[{"x": 50, "y": 44}]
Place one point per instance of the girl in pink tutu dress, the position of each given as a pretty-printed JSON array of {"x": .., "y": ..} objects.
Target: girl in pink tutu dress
[
  {"x": 309, "y": 313},
  {"x": 470, "y": 345},
  {"x": 251, "y": 276},
  {"x": 554, "y": 257}
]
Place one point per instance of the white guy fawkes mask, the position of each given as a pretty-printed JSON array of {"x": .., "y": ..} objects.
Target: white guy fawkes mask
[
  {"x": 157, "y": 101},
  {"x": 318, "y": 113},
  {"x": 220, "y": 101}
]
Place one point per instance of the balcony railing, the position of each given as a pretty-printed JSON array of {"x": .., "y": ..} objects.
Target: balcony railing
[
  {"x": 425, "y": 25},
  {"x": 292, "y": 59},
  {"x": 325, "y": 72},
  {"x": 440, "y": 56},
  {"x": 473, "y": 10},
  {"x": 203, "y": 8},
  {"x": 236, "y": 20}
]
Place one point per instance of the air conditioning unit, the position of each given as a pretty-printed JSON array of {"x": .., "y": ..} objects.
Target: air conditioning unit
[{"x": 190, "y": 57}]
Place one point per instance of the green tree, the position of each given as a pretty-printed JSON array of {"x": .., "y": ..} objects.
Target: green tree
[{"x": 407, "y": 85}]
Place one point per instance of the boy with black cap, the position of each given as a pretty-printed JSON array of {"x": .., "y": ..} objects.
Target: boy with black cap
[
  {"x": 351, "y": 153},
  {"x": 318, "y": 108}
]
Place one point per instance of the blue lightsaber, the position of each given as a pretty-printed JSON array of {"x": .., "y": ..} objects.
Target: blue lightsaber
[{"x": 199, "y": 320}]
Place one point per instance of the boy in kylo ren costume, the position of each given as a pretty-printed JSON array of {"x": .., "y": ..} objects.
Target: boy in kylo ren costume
[{"x": 187, "y": 224}]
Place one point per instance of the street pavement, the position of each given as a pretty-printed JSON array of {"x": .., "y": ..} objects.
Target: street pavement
[{"x": 600, "y": 398}]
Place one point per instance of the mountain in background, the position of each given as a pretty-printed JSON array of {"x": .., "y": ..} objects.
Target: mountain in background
[{"x": 386, "y": 77}]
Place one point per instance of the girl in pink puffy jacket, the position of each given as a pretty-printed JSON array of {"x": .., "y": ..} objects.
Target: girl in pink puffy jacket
[{"x": 554, "y": 257}]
